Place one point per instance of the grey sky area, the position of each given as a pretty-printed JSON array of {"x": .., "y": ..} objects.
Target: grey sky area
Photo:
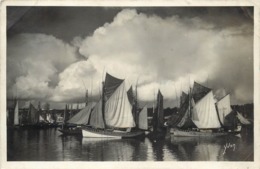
[{"x": 55, "y": 53}]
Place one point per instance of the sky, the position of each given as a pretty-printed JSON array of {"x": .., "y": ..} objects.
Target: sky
[{"x": 55, "y": 53}]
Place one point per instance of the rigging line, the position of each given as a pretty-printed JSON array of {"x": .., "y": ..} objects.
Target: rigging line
[
  {"x": 103, "y": 73},
  {"x": 176, "y": 93}
]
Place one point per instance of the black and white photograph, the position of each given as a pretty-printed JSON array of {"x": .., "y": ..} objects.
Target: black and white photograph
[{"x": 130, "y": 83}]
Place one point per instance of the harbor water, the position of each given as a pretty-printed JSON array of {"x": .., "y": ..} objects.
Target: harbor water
[{"x": 50, "y": 145}]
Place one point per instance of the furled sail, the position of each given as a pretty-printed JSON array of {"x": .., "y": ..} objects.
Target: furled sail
[
  {"x": 33, "y": 115},
  {"x": 223, "y": 106},
  {"x": 143, "y": 119},
  {"x": 96, "y": 117},
  {"x": 82, "y": 117},
  {"x": 206, "y": 112},
  {"x": 160, "y": 109},
  {"x": 16, "y": 114},
  {"x": 118, "y": 110},
  {"x": 242, "y": 119}
]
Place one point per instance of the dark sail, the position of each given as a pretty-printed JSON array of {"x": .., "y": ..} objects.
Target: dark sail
[
  {"x": 111, "y": 84},
  {"x": 183, "y": 119},
  {"x": 130, "y": 95},
  {"x": 158, "y": 116},
  {"x": 183, "y": 98},
  {"x": 33, "y": 115},
  {"x": 199, "y": 91},
  {"x": 160, "y": 109}
]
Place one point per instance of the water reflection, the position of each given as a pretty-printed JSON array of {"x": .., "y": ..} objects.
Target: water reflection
[
  {"x": 228, "y": 148},
  {"x": 50, "y": 145},
  {"x": 114, "y": 150}
]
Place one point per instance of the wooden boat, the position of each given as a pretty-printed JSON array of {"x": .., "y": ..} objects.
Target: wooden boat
[
  {"x": 112, "y": 116},
  {"x": 201, "y": 117},
  {"x": 73, "y": 125}
]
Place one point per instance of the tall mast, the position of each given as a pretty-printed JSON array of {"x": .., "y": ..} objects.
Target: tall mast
[
  {"x": 86, "y": 98},
  {"x": 103, "y": 102},
  {"x": 136, "y": 105},
  {"x": 189, "y": 98}
]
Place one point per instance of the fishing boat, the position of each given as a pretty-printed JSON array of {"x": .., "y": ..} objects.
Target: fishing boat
[
  {"x": 158, "y": 127},
  {"x": 112, "y": 116},
  {"x": 78, "y": 120},
  {"x": 200, "y": 116}
]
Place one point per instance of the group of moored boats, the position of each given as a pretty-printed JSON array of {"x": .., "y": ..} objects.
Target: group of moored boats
[{"x": 117, "y": 115}]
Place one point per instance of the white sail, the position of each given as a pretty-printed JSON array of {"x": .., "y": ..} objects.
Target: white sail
[
  {"x": 242, "y": 119},
  {"x": 143, "y": 120},
  {"x": 118, "y": 110},
  {"x": 41, "y": 119},
  {"x": 96, "y": 118},
  {"x": 206, "y": 112},
  {"x": 194, "y": 112},
  {"x": 16, "y": 114},
  {"x": 82, "y": 117},
  {"x": 224, "y": 108}
]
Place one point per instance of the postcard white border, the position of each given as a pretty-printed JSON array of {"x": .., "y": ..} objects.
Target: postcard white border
[{"x": 151, "y": 165}]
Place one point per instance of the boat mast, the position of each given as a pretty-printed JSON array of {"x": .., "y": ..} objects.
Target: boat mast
[
  {"x": 189, "y": 99},
  {"x": 103, "y": 102},
  {"x": 136, "y": 105},
  {"x": 86, "y": 98}
]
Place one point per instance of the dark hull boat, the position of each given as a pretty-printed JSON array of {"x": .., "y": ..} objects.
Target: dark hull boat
[
  {"x": 200, "y": 116},
  {"x": 71, "y": 131}
]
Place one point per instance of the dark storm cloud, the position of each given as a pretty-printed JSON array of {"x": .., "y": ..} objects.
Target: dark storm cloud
[
  {"x": 62, "y": 22},
  {"x": 82, "y": 21}
]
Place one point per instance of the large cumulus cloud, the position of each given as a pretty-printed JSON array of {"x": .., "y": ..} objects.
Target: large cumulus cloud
[
  {"x": 34, "y": 62},
  {"x": 162, "y": 53}
]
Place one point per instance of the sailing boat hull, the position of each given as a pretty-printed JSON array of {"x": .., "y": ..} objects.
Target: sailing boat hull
[
  {"x": 70, "y": 131},
  {"x": 188, "y": 133},
  {"x": 98, "y": 133}
]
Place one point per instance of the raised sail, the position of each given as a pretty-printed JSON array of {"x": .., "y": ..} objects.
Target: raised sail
[
  {"x": 199, "y": 91},
  {"x": 96, "y": 118},
  {"x": 16, "y": 114},
  {"x": 111, "y": 84},
  {"x": 206, "y": 112},
  {"x": 112, "y": 112},
  {"x": 130, "y": 95},
  {"x": 184, "y": 120},
  {"x": 143, "y": 119},
  {"x": 82, "y": 117},
  {"x": 118, "y": 110},
  {"x": 183, "y": 98},
  {"x": 242, "y": 119},
  {"x": 223, "y": 106}
]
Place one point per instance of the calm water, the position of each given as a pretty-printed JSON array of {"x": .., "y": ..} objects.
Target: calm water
[{"x": 50, "y": 145}]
